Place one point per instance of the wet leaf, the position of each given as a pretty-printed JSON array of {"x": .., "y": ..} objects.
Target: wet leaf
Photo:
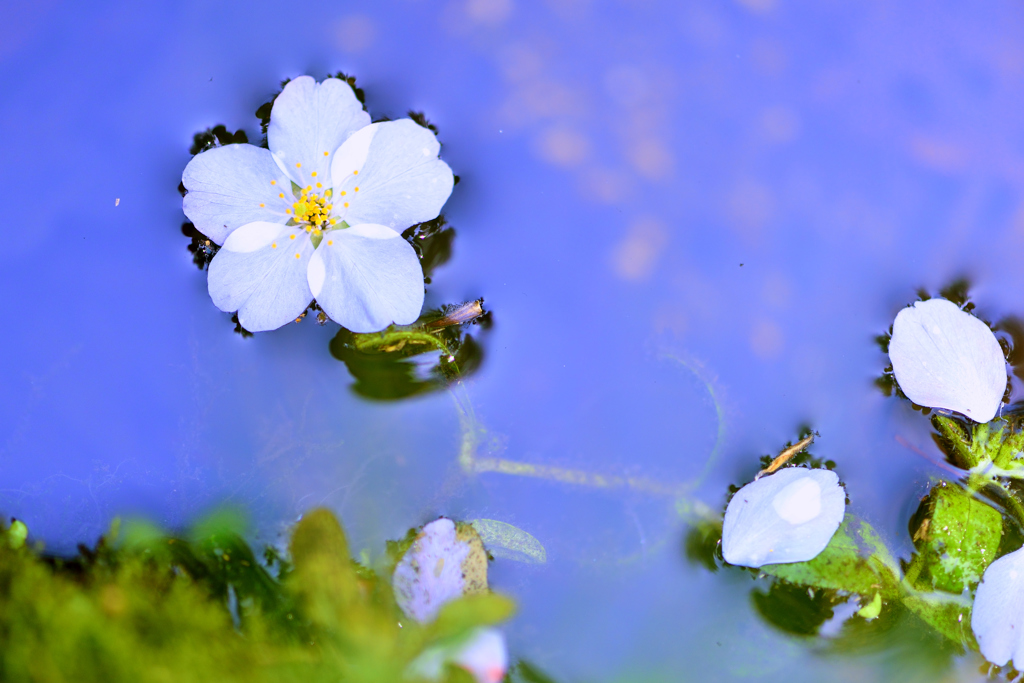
[
  {"x": 957, "y": 537},
  {"x": 847, "y": 563}
]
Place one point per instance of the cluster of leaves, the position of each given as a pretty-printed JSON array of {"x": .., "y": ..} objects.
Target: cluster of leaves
[
  {"x": 145, "y": 606},
  {"x": 405, "y": 360},
  {"x": 959, "y": 529}
]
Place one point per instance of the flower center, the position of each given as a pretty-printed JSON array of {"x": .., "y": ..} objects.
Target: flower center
[{"x": 313, "y": 209}]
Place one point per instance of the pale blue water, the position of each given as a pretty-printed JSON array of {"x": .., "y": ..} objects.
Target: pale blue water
[{"x": 619, "y": 162}]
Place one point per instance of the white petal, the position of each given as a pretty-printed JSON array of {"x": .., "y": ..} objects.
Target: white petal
[
  {"x": 366, "y": 277},
  {"x": 261, "y": 273},
  {"x": 945, "y": 358},
  {"x": 997, "y": 617},
  {"x": 485, "y": 656},
  {"x": 310, "y": 118},
  {"x": 400, "y": 179},
  {"x": 226, "y": 186},
  {"x": 430, "y": 572},
  {"x": 789, "y": 516}
]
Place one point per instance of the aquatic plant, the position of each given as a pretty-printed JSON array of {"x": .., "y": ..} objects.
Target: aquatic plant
[
  {"x": 318, "y": 215},
  {"x": 142, "y": 605}
]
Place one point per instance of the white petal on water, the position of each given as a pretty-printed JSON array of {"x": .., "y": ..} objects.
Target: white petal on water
[
  {"x": 997, "y": 617},
  {"x": 789, "y": 516},
  {"x": 945, "y": 358},
  {"x": 430, "y": 572},
  {"x": 310, "y": 118},
  {"x": 399, "y": 178},
  {"x": 484, "y": 655},
  {"x": 261, "y": 273},
  {"x": 229, "y": 187},
  {"x": 367, "y": 277}
]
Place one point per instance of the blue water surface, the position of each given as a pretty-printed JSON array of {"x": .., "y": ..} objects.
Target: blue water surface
[{"x": 686, "y": 218}]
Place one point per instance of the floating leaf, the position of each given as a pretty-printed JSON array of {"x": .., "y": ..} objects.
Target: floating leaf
[
  {"x": 443, "y": 563},
  {"x": 957, "y": 536},
  {"x": 789, "y": 516},
  {"x": 945, "y": 358},
  {"x": 842, "y": 565},
  {"x": 997, "y": 619},
  {"x": 509, "y": 542}
]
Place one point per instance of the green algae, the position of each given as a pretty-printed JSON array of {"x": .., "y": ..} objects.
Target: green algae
[{"x": 142, "y": 605}]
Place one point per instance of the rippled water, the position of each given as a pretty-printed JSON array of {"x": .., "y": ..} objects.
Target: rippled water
[{"x": 689, "y": 221}]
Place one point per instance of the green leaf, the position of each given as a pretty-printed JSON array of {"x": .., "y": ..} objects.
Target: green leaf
[
  {"x": 957, "y": 537},
  {"x": 458, "y": 617},
  {"x": 949, "y": 615},
  {"x": 846, "y": 563}
]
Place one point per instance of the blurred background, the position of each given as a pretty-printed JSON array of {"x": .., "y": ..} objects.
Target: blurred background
[{"x": 689, "y": 221}]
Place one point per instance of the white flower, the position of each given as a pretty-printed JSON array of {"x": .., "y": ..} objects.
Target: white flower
[
  {"x": 945, "y": 358},
  {"x": 789, "y": 516},
  {"x": 335, "y": 236},
  {"x": 484, "y": 655},
  {"x": 997, "y": 617},
  {"x": 438, "y": 567}
]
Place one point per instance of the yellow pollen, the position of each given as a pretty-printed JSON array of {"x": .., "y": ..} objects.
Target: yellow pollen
[
  {"x": 343, "y": 193},
  {"x": 273, "y": 182},
  {"x": 326, "y": 153},
  {"x": 319, "y": 185},
  {"x": 281, "y": 195},
  {"x": 330, "y": 242},
  {"x": 298, "y": 165},
  {"x": 313, "y": 174},
  {"x": 355, "y": 172},
  {"x": 273, "y": 245},
  {"x": 298, "y": 256},
  {"x": 307, "y": 188},
  {"x": 327, "y": 193},
  {"x": 357, "y": 189},
  {"x": 291, "y": 237},
  {"x": 346, "y": 205},
  {"x": 262, "y": 205},
  {"x": 287, "y": 210}
]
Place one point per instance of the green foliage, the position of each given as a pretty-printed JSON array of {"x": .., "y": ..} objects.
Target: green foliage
[
  {"x": 144, "y": 606},
  {"x": 847, "y": 563},
  {"x": 957, "y": 537},
  {"x": 992, "y": 443}
]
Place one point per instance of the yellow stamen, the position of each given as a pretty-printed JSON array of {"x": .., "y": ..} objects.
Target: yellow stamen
[
  {"x": 346, "y": 205},
  {"x": 298, "y": 256},
  {"x": 287, "y": 210},
  {"x": 343, "y": 193},
  {"x": 326, "y": 153},
  {"x": 319, "y": 185},
  {"x": 273, "y": 245},
  {"x": 313, "y": 174},
  {"x": 273, "y": 182},
  {"x": 291, "y": 237},
  {"x": 298, "y": 165},
  {"x": 281, "y": 195},
  {"x": 357, "y": 189},
  {"x": 262, "y": 205},
  {"x": 330, "y": 242},
  {"x": 355, "y": 172}
]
